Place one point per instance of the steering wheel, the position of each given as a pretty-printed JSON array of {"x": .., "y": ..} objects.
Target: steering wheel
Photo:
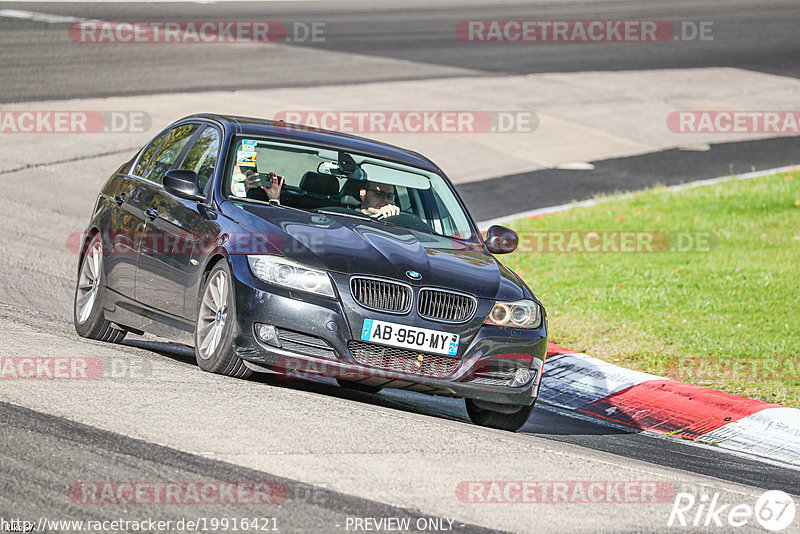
[
  {"x": 408, "y": 220},
  {"x": 402, "y": 212}
]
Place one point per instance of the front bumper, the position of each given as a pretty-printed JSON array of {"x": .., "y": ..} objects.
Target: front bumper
[{"x": 482, "y": 349}]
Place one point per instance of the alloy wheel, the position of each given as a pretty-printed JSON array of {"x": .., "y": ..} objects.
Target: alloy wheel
[
  {"x": 88, "y": 282},
  {"x": 213, "y": 314}
]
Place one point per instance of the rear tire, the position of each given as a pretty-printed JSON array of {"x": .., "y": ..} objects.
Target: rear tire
[
  {"x": 481, "y": 415},
  {"x": 87, "y": 309},
  {"x": 215, "y": 326}
]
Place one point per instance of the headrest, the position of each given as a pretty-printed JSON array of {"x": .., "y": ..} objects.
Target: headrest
[
  {"x": 320, "y": 184},
  {"x": 349, "y": 196}
]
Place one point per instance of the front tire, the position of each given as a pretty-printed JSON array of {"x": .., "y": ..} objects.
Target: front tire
[
  {"x": 481, "y": 414},
  {"x": 87, "y": 310},
  {"x": 216, "y": 322}
]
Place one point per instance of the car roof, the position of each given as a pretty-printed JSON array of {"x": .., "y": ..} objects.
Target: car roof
[{"x": 315, "y": 136}]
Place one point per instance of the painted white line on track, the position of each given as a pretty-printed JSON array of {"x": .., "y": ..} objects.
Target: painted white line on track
[
  {"x": 49, "y": 18},
  {"x": 37, "y": 17},
  {"x": 156, "y": 1},
  {"x": 483, "y": 225}
]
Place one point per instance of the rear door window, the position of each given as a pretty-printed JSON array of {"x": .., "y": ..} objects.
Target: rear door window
[
  {"x": 167, "y": 154},
  {"x": 202, "y": 157},
  {"x": 147, "y": 154}
]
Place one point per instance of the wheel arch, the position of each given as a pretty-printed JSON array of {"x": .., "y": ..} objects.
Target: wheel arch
[
  {"x": 213, "y": 259},
  {"x": 87, "y": 239}
]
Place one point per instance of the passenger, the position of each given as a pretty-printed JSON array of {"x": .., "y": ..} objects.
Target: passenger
[{"x": 249, "y": 177}]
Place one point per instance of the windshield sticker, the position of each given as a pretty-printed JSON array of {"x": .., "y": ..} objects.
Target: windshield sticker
[
  {"x": 244, "y": 157},
  {"x": 238, "y": 189}
]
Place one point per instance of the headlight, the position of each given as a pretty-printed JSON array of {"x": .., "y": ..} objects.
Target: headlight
[
  {"x": 287, "y": 273},
  {"x": 519, "y": 314}
]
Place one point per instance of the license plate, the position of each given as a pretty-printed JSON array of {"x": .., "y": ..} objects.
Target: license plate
[{"x": 407, "y": 337}]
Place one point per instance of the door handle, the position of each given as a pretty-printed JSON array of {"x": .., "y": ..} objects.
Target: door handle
[
  {"x": 151, "y": 213},
  {"x": 119, "y": 198}
]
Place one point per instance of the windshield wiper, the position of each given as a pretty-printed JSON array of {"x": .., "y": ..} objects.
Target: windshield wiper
[
  {"x": 357, "y": 215},
  {"x": 354, "y": 214},
  {"x": 363, "y": 216}
]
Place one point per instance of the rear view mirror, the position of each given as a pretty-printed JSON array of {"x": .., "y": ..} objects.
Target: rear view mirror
[
  {"x": 346, "y": 163},
  {"x": 328, "y": 167},
  {"x": 183, "y": 184},
  {"x": 501, "y": 240}
]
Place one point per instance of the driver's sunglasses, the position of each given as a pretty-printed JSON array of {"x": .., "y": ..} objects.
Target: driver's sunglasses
[{"x": 388, "y": 196}]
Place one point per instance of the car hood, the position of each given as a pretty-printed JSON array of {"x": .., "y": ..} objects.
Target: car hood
[{"x": 357, "y": 246}]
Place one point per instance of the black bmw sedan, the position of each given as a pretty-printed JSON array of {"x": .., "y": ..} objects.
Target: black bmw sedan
[{"x": 272, "y": 247}]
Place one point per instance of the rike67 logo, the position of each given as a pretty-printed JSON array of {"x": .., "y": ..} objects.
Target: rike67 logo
[{"x": 774, "y": 510}]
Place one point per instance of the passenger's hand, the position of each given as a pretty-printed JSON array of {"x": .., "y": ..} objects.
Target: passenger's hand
[
  {"x": 251, "y": 179},
  {"x": 274, "y": 192}
]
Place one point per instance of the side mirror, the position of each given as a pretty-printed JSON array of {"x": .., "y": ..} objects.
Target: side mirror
[
  {"x": 501, "y": 240},
  {"x": 183, "y": 184}
]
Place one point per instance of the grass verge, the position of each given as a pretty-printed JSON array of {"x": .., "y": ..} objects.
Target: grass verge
[{"x": 705, "y": 291}]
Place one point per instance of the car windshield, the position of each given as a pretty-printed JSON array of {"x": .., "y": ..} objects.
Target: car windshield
[{"x": 335, "y": 182}]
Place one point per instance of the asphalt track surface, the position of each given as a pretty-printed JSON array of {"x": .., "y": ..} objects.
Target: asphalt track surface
[
  {"x": 80, "y": 452},
  {"x": 498, "y": 197},
  {"x": 40, "y": 62},
  {"x": 44, "y": 449}
]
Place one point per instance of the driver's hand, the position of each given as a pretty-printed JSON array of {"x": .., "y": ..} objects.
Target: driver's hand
[{"x": 388, "y": 210}]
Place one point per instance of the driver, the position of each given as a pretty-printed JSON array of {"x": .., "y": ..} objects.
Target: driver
[{"x": 377, "y": 199}]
